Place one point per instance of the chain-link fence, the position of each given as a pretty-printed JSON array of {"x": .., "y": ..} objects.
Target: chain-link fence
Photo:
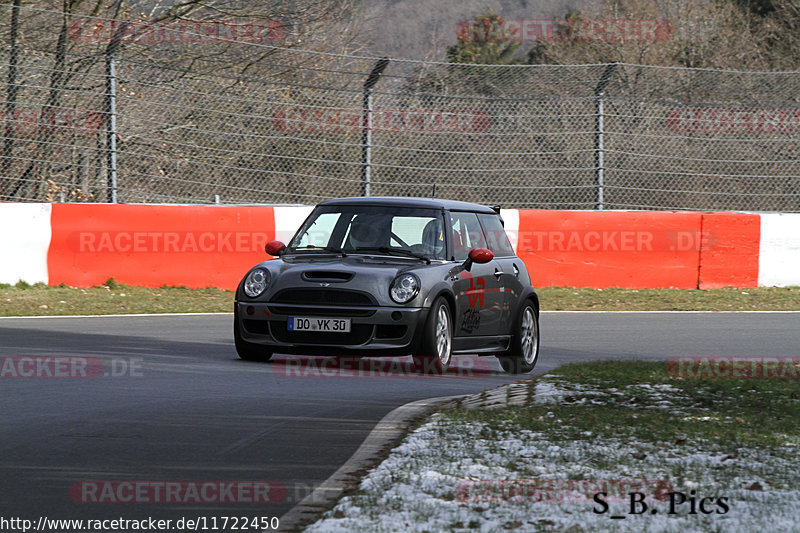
[{"x": 185, "y": 118}]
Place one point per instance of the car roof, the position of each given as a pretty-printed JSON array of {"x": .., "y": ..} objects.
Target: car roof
[{"x": 397, "y": 201}]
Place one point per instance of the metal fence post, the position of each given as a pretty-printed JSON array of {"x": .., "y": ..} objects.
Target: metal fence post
[
  {"x": 111, "y": 123},
  {"x": 599, "y": 130},
  {"x": 598, "y": 150},
  {"x": 366, "y": 127},
  {"x": 366, "y": 142}
]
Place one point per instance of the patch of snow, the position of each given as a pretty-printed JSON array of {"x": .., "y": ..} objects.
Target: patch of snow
[{"x": 437, "y": 479}]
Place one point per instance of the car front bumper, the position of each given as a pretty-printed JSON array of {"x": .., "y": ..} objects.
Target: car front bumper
[{"x": 374, "y": 330}]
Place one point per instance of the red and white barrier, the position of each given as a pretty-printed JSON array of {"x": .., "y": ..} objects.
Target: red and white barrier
[
  {"x": 779, "y": 252},
  {"x": 83, "y": 245},
  {"x": 288, "y": 219},
  {"x": 24, "y": 240}
]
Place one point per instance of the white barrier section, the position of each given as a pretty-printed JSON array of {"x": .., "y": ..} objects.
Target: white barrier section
[
  {"x": 511, "y": 221},
  {"x": 288, "y": 220},
  {"x": 24, "y": 241},
  {"x": 779, "y": 257}
]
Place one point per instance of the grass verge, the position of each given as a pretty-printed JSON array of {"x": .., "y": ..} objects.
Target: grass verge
[
  {"x": 727, "y": 299},
  {"x": 23, "y": 299},
  {"x": 616, "y": 427},
  {"x": 109, "y": 299},
  {"x": 640, "y": 401}
]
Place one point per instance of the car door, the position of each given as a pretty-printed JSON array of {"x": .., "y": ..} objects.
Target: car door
[
  {"x": 513, "y": 270},
  {"x": 479, "y": 294}
]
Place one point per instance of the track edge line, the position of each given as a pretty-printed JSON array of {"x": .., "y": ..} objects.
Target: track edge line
[{"x": 390, "y": 428}]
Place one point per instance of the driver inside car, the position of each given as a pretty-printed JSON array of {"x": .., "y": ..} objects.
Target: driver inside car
[
  {"x": 433, "y": 239},
  {"x": 368, "y": 231}
]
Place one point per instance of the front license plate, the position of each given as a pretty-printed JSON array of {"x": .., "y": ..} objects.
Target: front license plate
[{"x": 330, "y": 325}]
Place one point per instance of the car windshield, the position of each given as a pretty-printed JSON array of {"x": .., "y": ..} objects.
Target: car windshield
[{"x": 404, "y": 232}]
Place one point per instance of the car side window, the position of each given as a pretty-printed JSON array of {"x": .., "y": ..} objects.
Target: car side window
[
  {"x": 466, "y": 234},
  {"x": 496, "y": 238}
]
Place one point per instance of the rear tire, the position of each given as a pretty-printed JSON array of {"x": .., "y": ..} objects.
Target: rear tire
[
  {"x": 524, "y": 352},
  {"x": 437, "y": 343},
  {"x": 247, "y": 350}
]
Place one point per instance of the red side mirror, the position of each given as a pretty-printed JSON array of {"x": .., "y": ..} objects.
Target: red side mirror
[
  {"x": 276, "y": 248},
  {"x": 481, "y": 255}
]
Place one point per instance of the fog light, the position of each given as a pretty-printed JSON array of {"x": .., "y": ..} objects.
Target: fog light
[
  {"x": 397, "y": 315},
  {"x": 250, "y": 309}
]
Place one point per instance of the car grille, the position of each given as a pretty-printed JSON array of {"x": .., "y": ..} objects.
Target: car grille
[
  {"x": 359, "y": 334},
  {"x": 321, "y": 296},
  {"x": 295, "y": 310}
]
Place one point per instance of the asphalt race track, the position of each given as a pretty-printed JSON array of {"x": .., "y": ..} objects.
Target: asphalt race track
[{"x": 173, "y": 402}]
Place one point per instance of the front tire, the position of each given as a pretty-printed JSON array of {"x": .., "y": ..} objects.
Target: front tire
[
  {"x": 524, "y": 352},
  {"x": 437, "y": 343},
  {"x": 247, "y": 350}
]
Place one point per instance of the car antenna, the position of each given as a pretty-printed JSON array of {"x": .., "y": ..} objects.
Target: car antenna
[{"x": 433, "y": 192}]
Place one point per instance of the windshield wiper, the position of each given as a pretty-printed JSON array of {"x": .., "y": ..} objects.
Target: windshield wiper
[
  {"x": 387, "y": 250},
  {"x": 312, "y": 248}
]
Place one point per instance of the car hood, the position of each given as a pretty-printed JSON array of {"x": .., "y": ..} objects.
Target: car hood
[
  {"x": 357, "y": 265},
  {"x": 367, "y": 273}
]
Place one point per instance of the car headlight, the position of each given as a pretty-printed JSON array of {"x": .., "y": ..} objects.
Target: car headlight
[
  {"x": 256, "y": 282},
  {"x": 404, "y": 288}
]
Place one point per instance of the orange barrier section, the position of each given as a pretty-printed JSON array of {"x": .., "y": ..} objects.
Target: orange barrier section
[
  {"x": 156, "y": 245},
  {"x": 205, "y": 246},
  {"x": 730, "y": 249},
  {"x": 599, "y": 249}
]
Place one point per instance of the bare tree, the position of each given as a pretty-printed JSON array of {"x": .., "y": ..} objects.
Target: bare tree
[
  {"x": 11, "y": 98},
  {"x": 64, "y": 44}
]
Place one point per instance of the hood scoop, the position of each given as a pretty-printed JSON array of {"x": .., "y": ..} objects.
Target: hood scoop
[{"x": 327, "y": 275}]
